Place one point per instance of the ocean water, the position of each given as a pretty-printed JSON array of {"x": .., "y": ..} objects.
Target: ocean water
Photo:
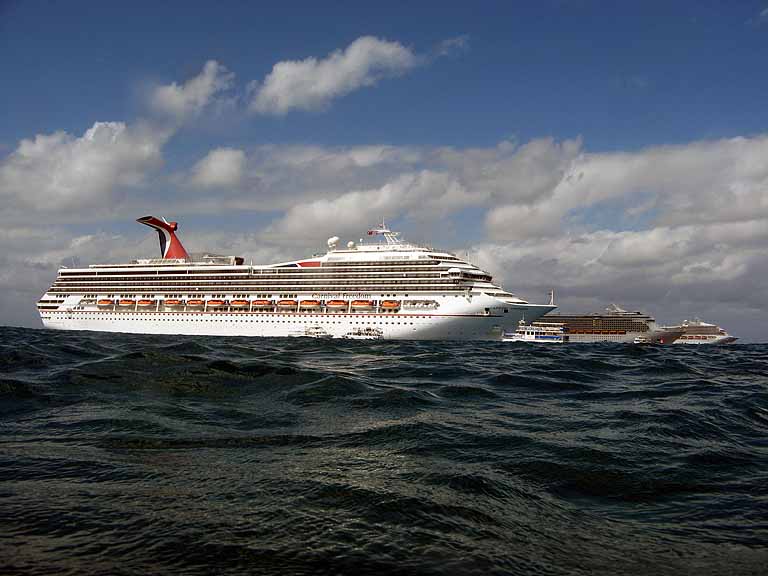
[{"x": 125, "y": 454}]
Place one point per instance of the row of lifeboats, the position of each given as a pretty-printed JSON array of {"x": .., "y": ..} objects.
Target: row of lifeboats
[
  {"x": 199, "y": 303},
  {"x": 125, "y": 303}
]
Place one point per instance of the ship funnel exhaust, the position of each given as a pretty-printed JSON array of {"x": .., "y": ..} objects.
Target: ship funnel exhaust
[{"x": 170, "y": 245}]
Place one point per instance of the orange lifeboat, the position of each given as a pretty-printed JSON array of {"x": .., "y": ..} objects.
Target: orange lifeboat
[
  {"x": 215, "y": 303},
  {"x": 127, "y": 302},
  {"x": 362, "y": 304},
  {"x": 262, "y": 303},
  {"x": 174, "y": 302},
  {"x": 336, "y": 304},
  {"x": 240, "y": 303},
  {"x": 390, "y": 304},
  {"x": 310, "y": 303},
  {"x": 105, "y": 302},
  {"x": 195, "y": 303},
  {"x": 287, "y": 303},
  {"x": 146, "y": 303}
]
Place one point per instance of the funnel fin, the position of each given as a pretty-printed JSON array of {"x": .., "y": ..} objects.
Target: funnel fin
[{"x": 170, "y": 245}]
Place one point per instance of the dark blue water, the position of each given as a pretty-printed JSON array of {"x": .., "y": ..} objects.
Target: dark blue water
[{"x": 126, "y": 454}]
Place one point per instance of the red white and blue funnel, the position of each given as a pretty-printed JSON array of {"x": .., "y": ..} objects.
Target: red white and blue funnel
[{"x": 170, "y": 245}]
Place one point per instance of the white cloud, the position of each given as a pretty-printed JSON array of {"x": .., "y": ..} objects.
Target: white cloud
[
  {"x": 189, "y": 99},
  {"x": 310, "y": 84},
  {"x": 220, "y": 167},
  {"x": 710, "y": 181},
  {"x": 59, "y": 171},
  {"x": 452, "y": 46},
  {"x": 90, "y": 175},
  {"x": 425, "y": 195},
  {"x": 673, "y": 272}
]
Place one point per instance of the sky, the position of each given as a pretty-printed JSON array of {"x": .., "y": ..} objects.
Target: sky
[{"x": 616, "y": 152}]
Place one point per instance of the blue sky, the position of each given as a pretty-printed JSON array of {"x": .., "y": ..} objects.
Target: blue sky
[
  {"x": 543, "y": 138},
  {"x": 618, "y": 74}
]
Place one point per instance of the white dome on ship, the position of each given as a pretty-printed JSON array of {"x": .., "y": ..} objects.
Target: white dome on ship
[{"x": 333, "y": 241}]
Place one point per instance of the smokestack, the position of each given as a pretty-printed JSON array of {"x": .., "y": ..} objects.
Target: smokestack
[{"x": 170, "y": 245}]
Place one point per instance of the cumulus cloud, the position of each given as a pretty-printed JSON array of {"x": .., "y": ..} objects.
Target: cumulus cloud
[
  {"x": 81, "y": 175},
  {"x": 220, "y": 167},
  {"x": 760, "y": 19},
  {"x": 59, "y": 171},
  {"x": 712, "y": 181},
  {"x": 310, "y": 84},
  {"x": 190, "y": 98},
  {"x": 671, "y": 271},
  {"x": 452, "y": 46},
  {"x": 425, "y": 195},
  {"x": 279, "y": 177}
]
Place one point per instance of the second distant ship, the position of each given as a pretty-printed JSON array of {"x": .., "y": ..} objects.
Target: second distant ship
[{"x": 698, "y": 332}]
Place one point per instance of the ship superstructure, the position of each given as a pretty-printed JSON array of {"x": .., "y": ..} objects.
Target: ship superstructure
[
  {"x": 386, "y": 288},
  {"x": 614, "y": 325},
  {"x": 698, "y": 332}
]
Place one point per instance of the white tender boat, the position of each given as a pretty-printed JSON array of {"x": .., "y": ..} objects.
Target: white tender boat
[{"x": 538, "y": 332}]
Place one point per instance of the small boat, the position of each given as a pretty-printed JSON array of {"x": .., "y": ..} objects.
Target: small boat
[
  {"x": 195, "y": 303},
  {"x": 310, "y": 304},
  {"x": 390, "y": 304},
  {"x": 316, "y": 332},
  {"x": 216, "y": 303},
  {"x": 336, "y": 304},
  {"x": 174, "y": 302},
  {"x": 362, "y": 304},
  {"x": 146, "y": 303},
  {"x": 367, "y": 333},
  {"x": 538, "y": 332},
  {"x": 105, "y": 302},
  {"x": 239, "y": 303},
  {"x": 287, "y": 303},
  {"x": 127, "y": 302},
  {"x": 262, "y": 303}
]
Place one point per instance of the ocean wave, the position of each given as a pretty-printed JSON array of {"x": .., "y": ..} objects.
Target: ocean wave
[{"x": 136, "y": 454}]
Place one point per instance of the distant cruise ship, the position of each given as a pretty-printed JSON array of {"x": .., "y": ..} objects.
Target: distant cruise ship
[
  {"x": 698, "y": 332},
  {"x": 381, "y": 289},
  {"x": 615, "y": 325}
]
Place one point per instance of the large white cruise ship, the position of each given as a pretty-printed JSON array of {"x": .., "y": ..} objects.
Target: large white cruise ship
[{"x": 385, "y": 288}]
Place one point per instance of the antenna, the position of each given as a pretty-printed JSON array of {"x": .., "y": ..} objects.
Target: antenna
[{"x": 552, "y": 297}]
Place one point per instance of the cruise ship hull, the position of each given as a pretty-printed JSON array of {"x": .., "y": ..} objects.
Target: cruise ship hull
[
  {"x": 657, "y": 336},
  {"x": 693, "y": 341},
  {"x": 466, "y": 325}
]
